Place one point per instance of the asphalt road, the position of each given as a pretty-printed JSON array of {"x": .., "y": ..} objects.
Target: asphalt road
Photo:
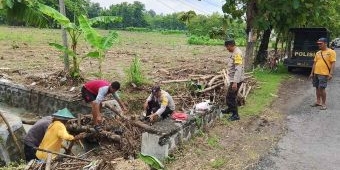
[{"x": 312, "y": 140}]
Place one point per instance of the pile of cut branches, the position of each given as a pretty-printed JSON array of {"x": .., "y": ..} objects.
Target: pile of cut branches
[
  {"x": 120, "y": 138},
  {"x": 200, "y": 87}
]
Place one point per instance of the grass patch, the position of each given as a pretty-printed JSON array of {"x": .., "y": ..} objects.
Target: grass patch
[
  {"x": 213, "y": 141},
  {"x": 262, "y": 97},
  {"x": 218, "y": 163}
]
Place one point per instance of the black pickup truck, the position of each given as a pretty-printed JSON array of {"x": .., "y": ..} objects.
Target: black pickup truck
[{"x": 304, "y": 47}]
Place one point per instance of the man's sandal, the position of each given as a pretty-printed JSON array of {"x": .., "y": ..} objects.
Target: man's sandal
[
  {"x": 315, "y": 105},
  {"x": 323, "y": 107}
]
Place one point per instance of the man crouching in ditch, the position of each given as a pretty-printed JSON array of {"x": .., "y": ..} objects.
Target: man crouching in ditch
[{"x": 159, "y": 104}]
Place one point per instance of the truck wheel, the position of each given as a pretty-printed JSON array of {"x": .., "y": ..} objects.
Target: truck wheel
[{"x": 290, "y": 69}]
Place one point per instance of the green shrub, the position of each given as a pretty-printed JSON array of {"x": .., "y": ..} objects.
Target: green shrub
[
  {"x": 138, "y": 29},
  {"x": 134, "y": 73},
  {"x": 204, "y": 40},
  {"x": 166, "y": 32},
  {"x": 241, "y": 42}
]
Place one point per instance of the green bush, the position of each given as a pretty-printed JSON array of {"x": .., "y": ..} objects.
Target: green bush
[
  {"x": 134, "y": 73},
  {"x": 204, "y": 40},
  {"x": 166, "y": 32},
  {"x": 138, "y": 29},
  {"x": 241, "y": 42}
]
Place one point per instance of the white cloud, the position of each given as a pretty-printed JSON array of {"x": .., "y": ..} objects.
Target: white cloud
[{"x": 170, "y": 6}]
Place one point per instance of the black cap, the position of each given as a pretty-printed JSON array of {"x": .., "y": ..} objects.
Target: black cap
[
  {"x": 229, "y": 42},
  {"x": 322, "y": 40},
  {"x": 155, "y": 89}
]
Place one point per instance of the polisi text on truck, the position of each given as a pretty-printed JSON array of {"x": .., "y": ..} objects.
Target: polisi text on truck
[{"x": 304, "y": 54}]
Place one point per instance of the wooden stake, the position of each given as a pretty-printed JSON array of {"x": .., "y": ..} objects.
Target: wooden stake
[
  {"x": 79, "y": 119},
  {"x": 240, "y": 90},
  {"x": 210, "y": 88},
  {"x": 48, "y": 161},
  {"x": 244, "y": 89},
  {"x": 225, "y": 78},
  {"x": 175, "y": 81},
  {"x": 61, "y": 154},
  {"x": 247, "y": 92},
  {"x": 213, "y": 79},
  {"x": 30, "y": 163}
]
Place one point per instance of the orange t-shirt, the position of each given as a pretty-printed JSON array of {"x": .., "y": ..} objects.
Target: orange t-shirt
[{"x": 320, "y": 66}]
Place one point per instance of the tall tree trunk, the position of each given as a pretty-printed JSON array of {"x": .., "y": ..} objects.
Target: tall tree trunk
[
  {"x": 262, "y": 53},
  {"x": 250, "y": 50},
  {"x": 251, "y": 33},
  {"x": 64, "y": 37},
  {"x": 276, "y": 42}
]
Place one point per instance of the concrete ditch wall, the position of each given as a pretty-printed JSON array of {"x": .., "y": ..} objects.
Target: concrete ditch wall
[
  {"x": 172, "y": 134},
  {"x": 36, "y": 101}
]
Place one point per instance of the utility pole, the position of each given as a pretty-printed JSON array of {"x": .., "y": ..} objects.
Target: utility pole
[{"x": 64, "y": 37}]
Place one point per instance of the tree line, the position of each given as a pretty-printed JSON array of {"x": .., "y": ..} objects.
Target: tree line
[
  {"x": 256, "y": 21},
  {"x": 132, "y": 14}
]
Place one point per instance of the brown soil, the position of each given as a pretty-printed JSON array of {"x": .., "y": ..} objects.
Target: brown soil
[{"x": 236, "y": 145}]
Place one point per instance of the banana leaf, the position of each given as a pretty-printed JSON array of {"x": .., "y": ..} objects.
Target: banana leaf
[
  {"x": 60, "y": 18},
  {"x": 90, "y": 34},
  {"x": 108, "y": 41},
  {"x": 151, "y": 161},
  {"x": 94, "y": 54},
  {"x": 63, "y": 49}
]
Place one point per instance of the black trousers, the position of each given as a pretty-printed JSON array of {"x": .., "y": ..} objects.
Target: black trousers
[
  {"x": 154, "y": 106},
  {"x": 231, "y": 99},
  {"x": 29, "y": 153}
]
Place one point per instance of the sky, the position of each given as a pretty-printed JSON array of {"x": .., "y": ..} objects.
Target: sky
[{"x": 170, "y": 6}]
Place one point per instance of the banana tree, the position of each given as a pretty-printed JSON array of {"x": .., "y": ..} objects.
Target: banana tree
[
  {"x": 100, "y": 43},
  {"x": 74, "y": 32},
  {"x": 20, "y": 10}
]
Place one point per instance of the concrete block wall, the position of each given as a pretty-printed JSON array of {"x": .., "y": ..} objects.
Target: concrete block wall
[
  {"x": 162, "y": 144},
  {"x": 36, "y": 101}
]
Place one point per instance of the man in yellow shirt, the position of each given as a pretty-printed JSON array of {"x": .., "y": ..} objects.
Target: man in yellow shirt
[
  {"x": 56, "y": 133},
  {"x": 322, "y": 71}
]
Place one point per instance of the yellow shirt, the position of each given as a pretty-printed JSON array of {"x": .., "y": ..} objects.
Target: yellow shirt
[
  {"x": 320, "y": 65},
  {"x": 53, "y": 138}
]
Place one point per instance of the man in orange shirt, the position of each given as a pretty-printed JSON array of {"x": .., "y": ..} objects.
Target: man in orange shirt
[
  {"x": 322, "y": 71},
  {"x": 56, "y": 133}
]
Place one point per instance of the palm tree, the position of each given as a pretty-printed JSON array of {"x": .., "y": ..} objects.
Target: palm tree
[{"x": 187, "y": 16}]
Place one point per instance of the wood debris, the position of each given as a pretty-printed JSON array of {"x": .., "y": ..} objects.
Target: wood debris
[
  {"x": 200, "y": 87},
  {"x": 119, "y": 139}
]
